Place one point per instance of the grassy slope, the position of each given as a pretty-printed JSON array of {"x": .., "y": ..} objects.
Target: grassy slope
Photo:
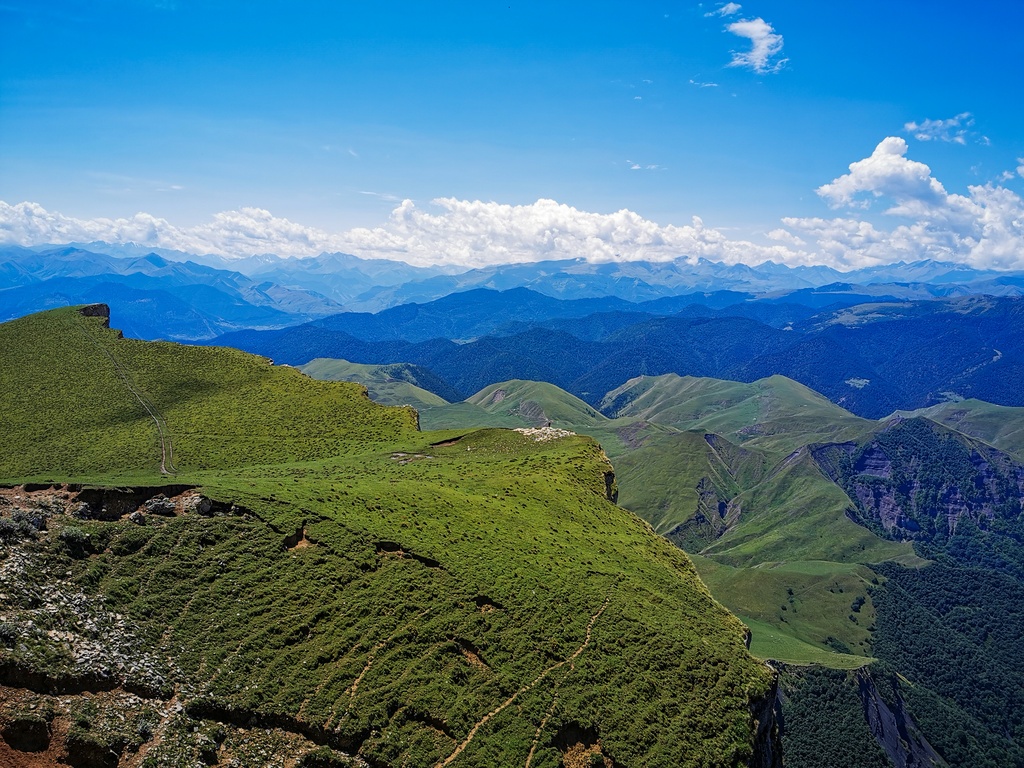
[
  {"x": 776, "y": 414},
  {"x": 387, "y": 384},
  {"x": 998, "y": 425},
  {"x": 493, "y": 520},
  {"x": 795, "y": 605},
  {"x": 659, "y": 479},
  {"x": 796, "y": 514},
  {"x": 536, "y": 401},
  {"x": 223, "y": 408},
  {"x": 789, "y": 513}
]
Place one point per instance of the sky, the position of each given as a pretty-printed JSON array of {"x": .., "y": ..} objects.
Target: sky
[{"x": 847, "y": 134}]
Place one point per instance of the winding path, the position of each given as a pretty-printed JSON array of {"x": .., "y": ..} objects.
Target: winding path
[{"x": 163, "y": 433}]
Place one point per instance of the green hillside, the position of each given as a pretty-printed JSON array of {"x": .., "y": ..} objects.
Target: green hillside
[
  {"x": 395, "y": 384},
  {"x": 775, "y": 414},
  {"x": 536, "y": 402},
  {"x": 998, "y": 425},
  {"x": 83, "y": 401},
  {"x": 322, "y": 580}
]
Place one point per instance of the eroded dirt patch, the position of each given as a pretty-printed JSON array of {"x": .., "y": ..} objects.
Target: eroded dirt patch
[
  {"x": 106, "y": 504},
  {"x": 580, "y": 747},
  {"x": 121, "y": 730},
  {"x": 471, "y": 653}
]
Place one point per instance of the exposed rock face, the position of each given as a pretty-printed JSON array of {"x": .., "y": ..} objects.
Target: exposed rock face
[
  {"x": 914, "y": 480},
  {"x": 893, "y": 727},
  {"x": 611, "y": 489},
  {"x": 767, "y": 731},
  {"x": 97, "y": 310},
  {"x": 712, "y": 517},
  {"x": 873, "y": 462},
  {"x": 160, "y": 505},
  {"x": 114, "y": 503}
]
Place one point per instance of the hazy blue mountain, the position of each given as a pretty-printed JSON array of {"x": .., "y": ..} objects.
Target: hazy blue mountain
[
  {"x": 371, "y": 285},
  {"x": 158, "y": 297},
  {"x": 870, "y": 358},
  {"x": 575, "y": 279},
  {"x": 646, "y": 281}
]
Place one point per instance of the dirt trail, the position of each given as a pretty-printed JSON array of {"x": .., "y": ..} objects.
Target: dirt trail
[
  {"x": 163, "y": 433},
  {"x": 540, "y": 730},
  {"x": 511, "y": 699}
]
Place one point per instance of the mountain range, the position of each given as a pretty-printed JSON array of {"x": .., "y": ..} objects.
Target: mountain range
[
  {"x": 156, "y": 297},
  {"x": 370, "y": 285},
  {"x": 871, "y": 358}
]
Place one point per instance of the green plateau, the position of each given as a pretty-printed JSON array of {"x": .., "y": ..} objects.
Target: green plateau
[{"x": 206, "y": 558}]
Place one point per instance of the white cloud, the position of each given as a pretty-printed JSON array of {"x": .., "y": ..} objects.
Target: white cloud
[
  {"x": 470, "y": 233},
  {"x": 703, "y": 85},
  {"x": 1020, "y": 168},
  {"x": 954, "y": 130},
  {"x": 230, "y": 233},
  {"x": 729, "y": 9},
  {"x": 887, "y": 172},
  {"x": 785, "y": 236},
  {"x": 478, "y": 233},
  {"x": 983, "y": 228},
  {"x": 765, "y": 43}
]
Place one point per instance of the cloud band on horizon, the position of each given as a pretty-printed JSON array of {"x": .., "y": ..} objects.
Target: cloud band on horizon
[{"x": 984, "y": 228}]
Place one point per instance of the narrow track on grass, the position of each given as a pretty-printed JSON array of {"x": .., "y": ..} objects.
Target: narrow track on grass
[
  {"x": 511, "y": 699},
  {"x": 540, "y": 729},
  {"x": 163, "y": 432}
]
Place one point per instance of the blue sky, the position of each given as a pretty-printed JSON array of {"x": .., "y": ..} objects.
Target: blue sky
[{"x": 323, "y": 116}]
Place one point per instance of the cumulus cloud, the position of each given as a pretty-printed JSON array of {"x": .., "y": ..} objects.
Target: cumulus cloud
[
  {"x": 1020, "y": 168},
  {"x": 765, "y": 44},
  {"x": 984, "y": 228},
  {"x": 230, "y": 233},
  {"x": 463, "y": 232},
  {"x": 785, "y": 236},
  {"x": 887, "y": 172},
  {"x": 478, "y": 233},
  {"x": 729, "y": 9},
  {"x": 954, "y": 130}
]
